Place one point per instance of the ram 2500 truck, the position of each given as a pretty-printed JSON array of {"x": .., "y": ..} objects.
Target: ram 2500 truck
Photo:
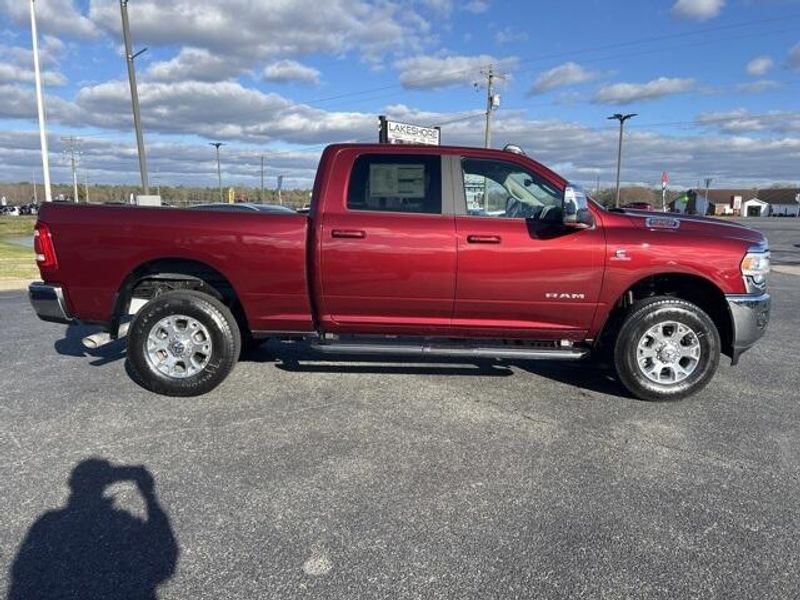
[{"x": 411, "y": 250}]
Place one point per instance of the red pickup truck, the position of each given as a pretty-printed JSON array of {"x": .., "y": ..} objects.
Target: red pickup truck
[{"x": 411, "y": 250}]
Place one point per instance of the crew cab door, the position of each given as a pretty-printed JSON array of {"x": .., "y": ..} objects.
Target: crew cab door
[
  {"x": 387, "y": 250},
  {"x": 520, "y": 270}
]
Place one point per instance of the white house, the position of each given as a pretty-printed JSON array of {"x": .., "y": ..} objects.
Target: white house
[{"x": 755, "y": 208}]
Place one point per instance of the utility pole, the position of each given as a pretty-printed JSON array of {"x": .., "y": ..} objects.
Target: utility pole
[
  {"x": 86, "y": 184},
  {"x": 621, "y": 118},
  {"x": 137, "y": 119},
  {"x": 261, "y": 193},
  {"x": 48, "y": 193},
  {"x": 708, "y": 185},
  {"x": 219, "y": 170},
  {"x": 73, "y": 156},
  {"x": 492, "y": 102},
  {"x": 35, "y": 194}
]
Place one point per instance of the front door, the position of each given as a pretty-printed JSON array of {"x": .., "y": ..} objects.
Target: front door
[
  {"x": 388, "y": 255},
  {"x": 520, "y": 271}
]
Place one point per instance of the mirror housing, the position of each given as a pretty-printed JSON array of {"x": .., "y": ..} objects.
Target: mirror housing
[{"x": 575, "y": 207}]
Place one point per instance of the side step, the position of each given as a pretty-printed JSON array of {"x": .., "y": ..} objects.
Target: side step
[{"x": 452, "y": 350}]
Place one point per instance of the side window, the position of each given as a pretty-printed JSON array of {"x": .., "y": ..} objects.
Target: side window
[
  {"x": 495, "y": 188},
  {"x": 396, "y": 183}
]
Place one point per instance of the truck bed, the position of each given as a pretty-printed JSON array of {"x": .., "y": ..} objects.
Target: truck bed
[{"x": 262, "y": 256}]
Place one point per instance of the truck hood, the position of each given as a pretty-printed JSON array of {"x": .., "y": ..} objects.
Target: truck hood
[{"x": 697, "y": 225}]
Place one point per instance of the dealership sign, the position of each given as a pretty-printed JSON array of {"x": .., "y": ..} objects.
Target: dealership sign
[{"x": 396, "y": 132}]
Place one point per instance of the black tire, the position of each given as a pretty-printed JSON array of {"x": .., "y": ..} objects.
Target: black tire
[
  {"x": 226, "y": 343},
  {"x": 647, "y": 314}
]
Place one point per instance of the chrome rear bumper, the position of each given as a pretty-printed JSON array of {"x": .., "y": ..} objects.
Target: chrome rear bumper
[
  {"x": 48, "y": 302},
  {"x": 750, "y": 316}
]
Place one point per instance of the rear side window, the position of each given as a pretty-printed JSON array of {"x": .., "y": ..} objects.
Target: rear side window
[{"x": 391, "y": 183}]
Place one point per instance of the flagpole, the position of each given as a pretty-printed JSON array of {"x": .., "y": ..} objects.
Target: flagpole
[{"x": 40, "y": 105}]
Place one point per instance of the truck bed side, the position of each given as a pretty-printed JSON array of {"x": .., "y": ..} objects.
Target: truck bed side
[{"x": 262, "y": 256}]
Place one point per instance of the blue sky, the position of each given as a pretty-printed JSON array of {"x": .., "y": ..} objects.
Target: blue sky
[{"x": 715, "y": 83}]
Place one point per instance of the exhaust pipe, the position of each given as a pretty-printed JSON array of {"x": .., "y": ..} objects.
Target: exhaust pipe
[{"x": 96, "y": 340}]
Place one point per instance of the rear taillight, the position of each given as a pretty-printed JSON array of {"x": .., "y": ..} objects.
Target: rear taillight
[{"x": 43, "y": 246}]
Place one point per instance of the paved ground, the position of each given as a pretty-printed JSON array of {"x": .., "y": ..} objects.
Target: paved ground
[{"x": 299, "y": 478}]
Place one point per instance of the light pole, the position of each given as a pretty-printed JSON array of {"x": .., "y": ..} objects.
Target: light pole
[
  {"x": 219, "y": 170},
  {"x": 621, "y": 118},
  {"x": 261, "y": 192},
  {"x": 137, "y": 119},
  {"x": 708, "y": 185},
  {"x": 48, "y": 194}
]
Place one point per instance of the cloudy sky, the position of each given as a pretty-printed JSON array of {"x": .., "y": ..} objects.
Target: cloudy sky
[{"x": 716, "y": 84}]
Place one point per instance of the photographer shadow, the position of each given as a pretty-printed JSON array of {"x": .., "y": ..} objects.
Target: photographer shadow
[{"x": 90, "y": 548}]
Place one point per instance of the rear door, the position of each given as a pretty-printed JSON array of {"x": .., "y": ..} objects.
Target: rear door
[
  {"x": 387, "y": 248},
  {"x": 520, "y": 272}
]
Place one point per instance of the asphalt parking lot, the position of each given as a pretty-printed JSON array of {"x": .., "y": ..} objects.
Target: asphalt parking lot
[{"x": 301, "y": 478}]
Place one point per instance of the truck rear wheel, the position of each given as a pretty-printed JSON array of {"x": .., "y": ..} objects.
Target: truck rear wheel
[
  {"x": 666, "y": 349},
  {"x": 183, "y": 343}
]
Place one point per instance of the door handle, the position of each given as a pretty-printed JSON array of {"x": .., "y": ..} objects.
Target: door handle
[
  {"x": 353, "y": 234},
  {"x": 483, "y": 239}
]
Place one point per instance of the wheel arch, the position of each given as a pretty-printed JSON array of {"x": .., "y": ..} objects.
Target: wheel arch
[
  {"x": 692, "y": 288},
  {"x": 156, "y": 276}
]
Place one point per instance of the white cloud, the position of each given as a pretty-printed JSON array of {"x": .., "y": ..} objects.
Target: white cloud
[
  {"x": 195, "y": 64},
  {"x": 61, "y": 17},
  {"x": 509, "y": 35},
  {"x": 758, "y": 87},
  {"x": 625, "y": 93},
  {"x": 16, "y": 63},
  {"x": 442, "y": 7},
  {"x": 433, "y": 72},
  {"x": 11, "y": 73},
  {"x": 697, "y": 10},
  {"x": 741, "y": 120},
  {"x": 569, "y": 73},
  {"x": 755, "y": 154},
  {"x": 278, "y": 29},
  {"x": 794, "y": 58},
  {"x": 759, "y": 66},
  {"x": 225, "y": 110},
  {"x": 283, "y": 71},
  {"x": 476, "y": 7}
]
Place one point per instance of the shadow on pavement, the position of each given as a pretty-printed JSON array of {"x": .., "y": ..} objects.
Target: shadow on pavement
[
  {"x": 70, "y": 345},
  {"x": 587, "y": 375},
  {"x": 90, "y": 549}
]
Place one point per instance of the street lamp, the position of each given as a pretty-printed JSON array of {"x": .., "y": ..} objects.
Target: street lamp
[
  {"x": 621, "y": 118},
  {"x": 219, "y": 170},
  {"x": 48, "y": 194}
]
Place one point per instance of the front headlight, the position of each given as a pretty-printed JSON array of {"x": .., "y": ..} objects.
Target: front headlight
[{"x": 755, "y": 268}]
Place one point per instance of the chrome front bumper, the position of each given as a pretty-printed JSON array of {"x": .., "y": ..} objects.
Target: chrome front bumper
[
  {"x": 750, "y": 316},
  {"x": 48, "y": 302}
]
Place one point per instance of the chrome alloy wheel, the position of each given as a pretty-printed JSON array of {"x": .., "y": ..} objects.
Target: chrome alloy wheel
[
  {"x": 179, "y": 346},
  {"x": 668, "y": 353}
]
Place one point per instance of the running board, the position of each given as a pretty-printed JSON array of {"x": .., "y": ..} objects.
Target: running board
[{"x": 517, "y": 352}]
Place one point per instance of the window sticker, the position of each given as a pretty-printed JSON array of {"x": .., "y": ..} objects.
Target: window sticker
[{"x": 396, "y": 181}]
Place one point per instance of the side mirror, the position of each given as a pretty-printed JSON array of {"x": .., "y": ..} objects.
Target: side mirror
[{"x": 575, "y": 207}]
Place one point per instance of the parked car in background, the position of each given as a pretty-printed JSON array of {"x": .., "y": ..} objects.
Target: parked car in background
[
  {"x": 639, "y": 205},
  {"x": 11, "y": 211},
  {"x": 245, "y": 207}
]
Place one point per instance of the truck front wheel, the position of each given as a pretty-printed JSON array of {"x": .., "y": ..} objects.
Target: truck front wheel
[
  {"x": 183, "y": 343},
  {"x": 666, "y": 349}
]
